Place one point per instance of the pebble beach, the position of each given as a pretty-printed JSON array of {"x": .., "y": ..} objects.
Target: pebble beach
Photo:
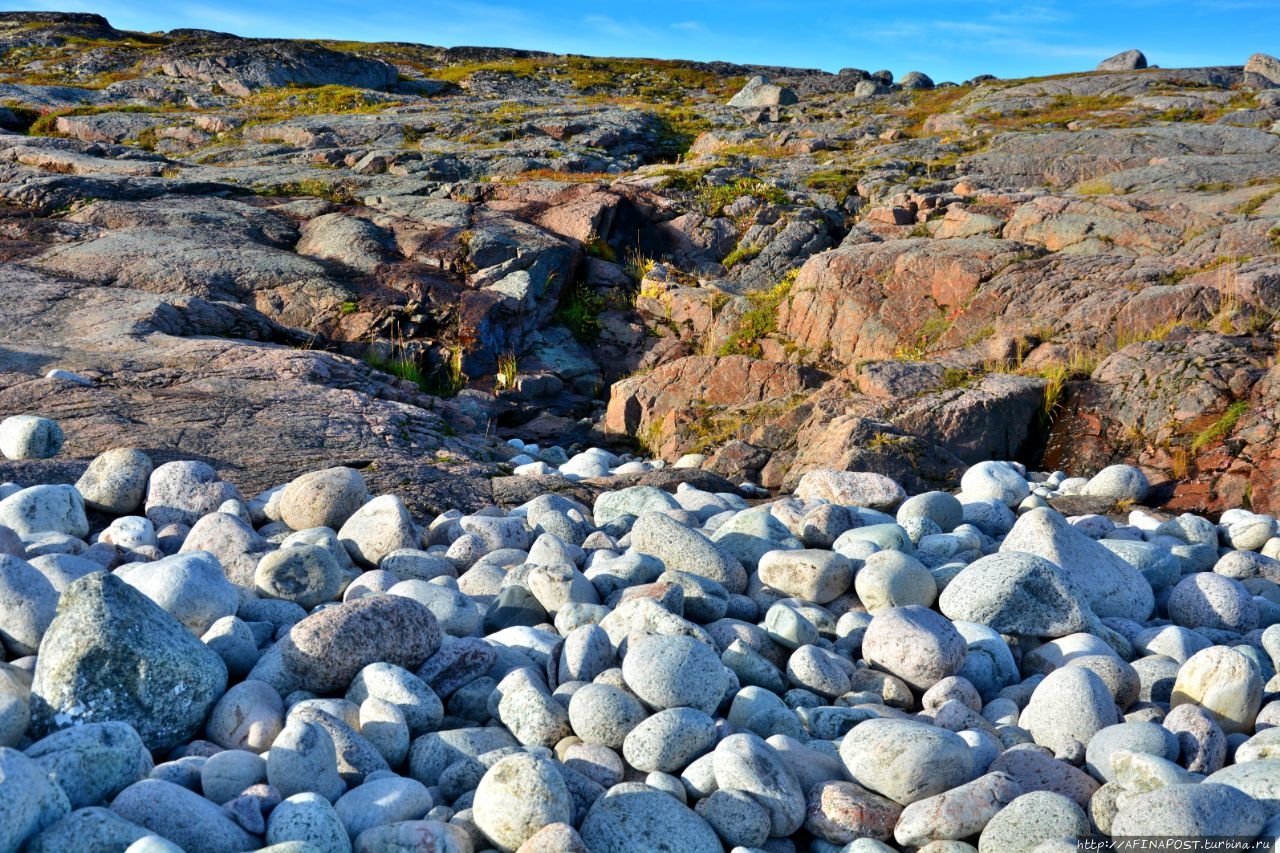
[{"x": 846, "y": 668}]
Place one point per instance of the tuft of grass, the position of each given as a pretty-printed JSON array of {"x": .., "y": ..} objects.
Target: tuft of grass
[
  {"x": 1252, "y": 205},
  {"x": 929, "y": 102},
  {"x": 544, "y": 174},
  {"x": 682, "y": 180},
  {"x": 1180, "y": 463},
  {"x": 883, "y": 442},
  {"x": 1080, "y": 365},
  {"x": 840, "y": 183},
  {"x": 1056, "y": 377},
  {"x": 1220, "y": 428},
  {"x": 650, "y": 439},
  {"x": 760, "y": 319},
  {"x": 677, "y": 128},
  {"x": 957, "y": 377},
  {"x": 579, "y": 312},
  {"x": 933, "y": 328},
  {"x": 508, "y": 370},
  {"x": 651, "y": 80},
  {"x": 1102, "y": 110},
  {"x": 146, "y": 139},
  {"x": 636, "y": 264},
  {"x": 334, "y": 191},
  {"x": 348, "y": 308},
  {"x": 596, "y": 247},
  {"x": 46, "y": 122},
  {"x": 411, "y": 135},
  {"x": 1097, "y": 186},
  {"x": 740, "y": 255},
  {"x": 1127, "y": 335},
  {"x": 269, "y": 105},
  {"x": 445, "y": 381},
  {"x": 400, "y": 365},
  {"x": 713, "y": 200},
  {"x": 712, "y": 426}
]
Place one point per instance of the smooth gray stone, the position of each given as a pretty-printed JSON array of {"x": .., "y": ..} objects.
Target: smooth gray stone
[
  {"x": 93, "y": 762},
  {"x": 633, "y": 818},
  {"x": 183, "y": 817}
]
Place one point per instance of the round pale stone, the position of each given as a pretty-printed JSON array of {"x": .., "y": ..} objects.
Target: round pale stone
[{"x": 1222, "y": 682}]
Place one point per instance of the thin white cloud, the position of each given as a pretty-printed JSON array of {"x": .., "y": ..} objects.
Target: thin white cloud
[{"x": 238, "y": 22}]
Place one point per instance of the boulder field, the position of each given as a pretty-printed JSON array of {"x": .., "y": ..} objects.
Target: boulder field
[
  {"x": 406, "y": 447},
  {"x": 314, "y": 667}
]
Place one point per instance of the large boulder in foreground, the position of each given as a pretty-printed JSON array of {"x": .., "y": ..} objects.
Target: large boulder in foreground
[
  {"x": 113, "y": 654},
  {"x": 1111, "y": 586}
]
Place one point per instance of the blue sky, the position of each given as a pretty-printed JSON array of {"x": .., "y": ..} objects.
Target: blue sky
[{"x": 947, "y": 40}]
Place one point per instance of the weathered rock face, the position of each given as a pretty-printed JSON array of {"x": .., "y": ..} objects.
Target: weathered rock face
[
  {"x": 276, "y": 410},
  {"x": 660, "y": 401},
  {"x": 871, "y": 300},
  {"x": 241, "y": 66},
  {"x": 1016, "y": 230},
  {"x": 1201, "y": 403},
  {"x": 1064, "y": 158},
  {"x": 214, "y": 249}
]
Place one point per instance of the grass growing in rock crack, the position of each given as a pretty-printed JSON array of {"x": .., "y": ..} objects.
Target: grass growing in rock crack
[
  {"x": 1252, "y": 205},
  {"x": 596, "y": 247},
  {"x": 338, "y": 192},
  {"x": 445, "y": 381},
  {"x": 400, "y": 365},
  {"x": 958, "y": 377},
  {"x": 637, "y": 264},
  {"x": 760, "y": 319},
  {"x": 448, "y": 379},
  {"x": 840, "y": 183},
  {"x": 1220, "y": 428},
  {"x": 740, "y": 255},
  {"x": 1080, "y": 365},
  {"x": 580, "y": 313},
  {"x": 46, "y": 122},
  {"x": 712, "y": 425},
  {"x": 508, "y": 370},
  {"x": 270, "y": 105},
  {"x": 933, "y": 328}
]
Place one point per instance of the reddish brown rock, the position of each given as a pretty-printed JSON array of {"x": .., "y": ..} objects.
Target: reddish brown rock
[
  {"x": 839, "y": 812},
  {"x": 326, "y": 650},
  {"x": 586, "y": 218},
  {"x": 654, "y": 402},
  {"x": 873, "y": 299},
  {"x": 1194, "y": 409}
]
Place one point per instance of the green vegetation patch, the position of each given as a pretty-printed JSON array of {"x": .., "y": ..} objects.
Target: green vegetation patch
[
  {"x": 760, "y": 319},
  {"x": 714, "y": 199},
  {"x": 579, "y": 312},
  {"x": 1220, "y": 428},
  {"x": 291, "y": 101}
]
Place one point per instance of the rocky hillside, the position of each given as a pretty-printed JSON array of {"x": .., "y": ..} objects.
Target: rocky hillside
[{"x": 278, "y": 255}]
